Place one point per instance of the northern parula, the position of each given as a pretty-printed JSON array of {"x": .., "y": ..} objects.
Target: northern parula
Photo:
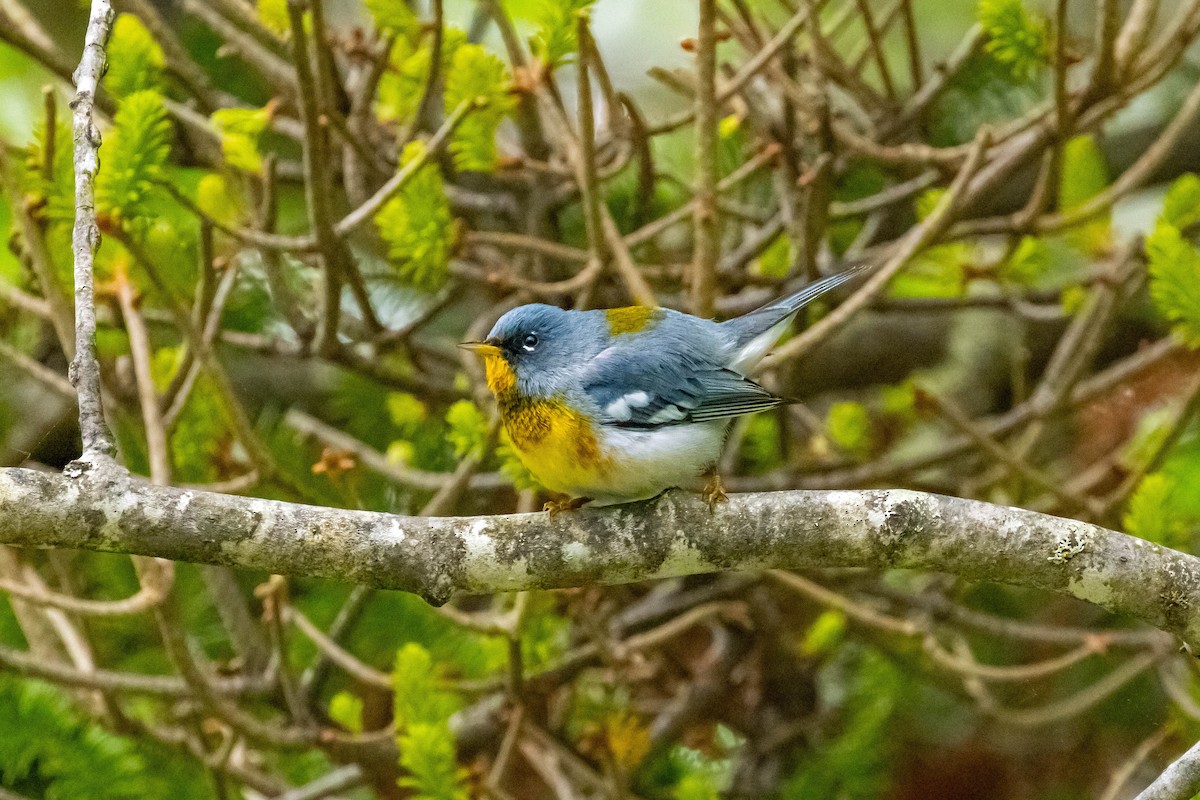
[{"x": 621, "y": 404}]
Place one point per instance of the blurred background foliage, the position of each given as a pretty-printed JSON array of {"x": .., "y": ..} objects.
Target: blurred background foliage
[{"x": 300, "y": 248}]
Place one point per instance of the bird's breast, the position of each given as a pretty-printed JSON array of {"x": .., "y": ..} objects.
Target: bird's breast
[{"x": 556, "y": 443}]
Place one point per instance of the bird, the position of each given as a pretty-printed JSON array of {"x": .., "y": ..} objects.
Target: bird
[{"x": 616, "y": 405}]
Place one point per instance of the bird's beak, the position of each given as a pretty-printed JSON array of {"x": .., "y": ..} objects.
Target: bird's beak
[{"x": 483, "y": 348}]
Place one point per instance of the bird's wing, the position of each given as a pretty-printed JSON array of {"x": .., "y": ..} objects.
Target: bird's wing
[{"x": 648, "y": 388}]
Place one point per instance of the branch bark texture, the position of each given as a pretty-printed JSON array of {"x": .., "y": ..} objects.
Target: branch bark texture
[
  {"x": 85, "y": 237},
  {"x": 1179, "y": 781},
  {"x": 103, "y": 508}
]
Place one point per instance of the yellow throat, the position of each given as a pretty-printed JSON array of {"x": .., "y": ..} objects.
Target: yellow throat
[{"x": 556, "y": 443}]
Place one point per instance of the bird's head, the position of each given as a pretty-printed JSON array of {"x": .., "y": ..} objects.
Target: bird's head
[{"x": 531, "y": 349}]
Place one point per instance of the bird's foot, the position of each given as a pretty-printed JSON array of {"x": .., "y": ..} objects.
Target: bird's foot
[
  {"x": 556, "y": 507},
  {"x": 714, "y": 493}
]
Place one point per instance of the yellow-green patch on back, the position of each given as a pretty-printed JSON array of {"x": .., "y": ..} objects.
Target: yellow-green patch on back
[{"x": 632, "y": 319}]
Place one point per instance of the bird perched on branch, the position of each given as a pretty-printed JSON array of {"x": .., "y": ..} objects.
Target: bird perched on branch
[{"x": 616, "y": 405}]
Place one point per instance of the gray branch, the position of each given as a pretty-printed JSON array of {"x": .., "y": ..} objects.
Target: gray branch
[
  {"x": 85, "y": 238},
  {"x": 102, "y": 507},
  {"x": 1179, "y": 781}
]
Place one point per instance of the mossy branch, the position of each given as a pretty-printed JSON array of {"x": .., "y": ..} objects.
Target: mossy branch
[{"x": 104, "y": 508}]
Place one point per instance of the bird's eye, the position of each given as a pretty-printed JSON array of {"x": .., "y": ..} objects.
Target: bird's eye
[{"x": 531, "y": 342}]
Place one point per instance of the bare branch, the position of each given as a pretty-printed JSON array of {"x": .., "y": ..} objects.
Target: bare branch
[
  {"x": 675, "y": 535},
  {"x": 1179, "y": 781},
  {"x": 85, "y": 239}
]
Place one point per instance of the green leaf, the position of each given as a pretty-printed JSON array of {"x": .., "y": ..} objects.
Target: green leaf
[
  {"x": 701, "y": 776},
  {"x": 467, "y": 429},
  {"x": 848, "y": 425},
  {"x": 1148, "y": 514},
  {"x": 417, "y": 226},
  {"x": 219, "y": 198},
  {"x": 394, "y": 17},
  {"x": 1016, "y": 37},
  {"x": 1181, "y": 207},
  {"x": 1073, "y": 299},
  {"x": 927, "y": 201},
  {"x": 201, "y": 432},
  {"x": 273, "y": 15},
  {"x": 1084, "y": 171},
  {"x": 55, "y": 194},
  {"x": 760, "y": 450},
  {"x": 852, "y": 762},
  {"x": 1174, "y": 265},
  {"x": 403, "y": 84},
  {"x": 936, "y": 272},
  {"x": 133, "y": 158},
  {"x": 695, "y": 787},
  {"x": 1084, "y": 175},
  {"x": 477, "y": 76},
  {"x": 557, "y": 38},
  {"x": 427, "y": 753},
  {"x": 419, "y": 698},
  {"x": 407, "y": 411},
  {"x": 240, "y": 131},
  {"x": 423, "y": 710},
  {"x": 825, "y": 633},
  {"x": 776, "y": 261},
  {"x": 346, "y": 710},
  {"x": 49, "y": 750},
  {"x": 1030, "y": 260},
  {"x": 135, "y": 61}
]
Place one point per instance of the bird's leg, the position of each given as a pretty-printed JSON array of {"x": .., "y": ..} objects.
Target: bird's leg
[
  {"x": 556, "y": 507},
  {"x": 714, "y": 491}
]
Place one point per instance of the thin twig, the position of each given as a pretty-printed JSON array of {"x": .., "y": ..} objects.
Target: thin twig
[
  {"x": 706, "y": 224},
  {"x": 85, "y": 239}
]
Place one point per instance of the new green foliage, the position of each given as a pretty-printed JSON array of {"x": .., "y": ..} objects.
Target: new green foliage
[
  {"x": 703, "y": 777},
  {"x": 134, "y": 155},
  {"x": 1084, "y": 175},
  {"x": 273, "y": 14},
  {"x": 347, "y": 710},
  {"x": 851, "y": 761},
  {"x": 404, "y": 84},
  {"x": 1149, "y": 513},
  {"x": 422, "y": 711},
  {"x": 467, "y": 429},
  {"x": 135, "y": 60},
  {"x": 557, "y": 38},
  {"x": 997, "y": 82},
  {"x": 240, "y": 130},
  {"x": 1181, "y": 206},
  {"x": 52, "y": 191},
  {"x": 200, "y": 435},
  {"x": 1174, "y": 265},
  {"x": 848, "y": 425},
  {"x": 48, "y": 750},
  {"x": 393, "y": 17},
  {"x": 477, "y": 76},
  {"x": 417, "y": 226},
  {"x": 218, "y": 197},
  {"x": 1016, "y": 37}
]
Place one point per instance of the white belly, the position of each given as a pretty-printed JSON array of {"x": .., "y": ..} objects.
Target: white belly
[{"x": 645, "y": 463}]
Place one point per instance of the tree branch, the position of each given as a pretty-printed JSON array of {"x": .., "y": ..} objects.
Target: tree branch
[
  {"x": 85, "y": 239},
  {"x": 1179, "y": 781},
  {"x": 676, "y": 535}
]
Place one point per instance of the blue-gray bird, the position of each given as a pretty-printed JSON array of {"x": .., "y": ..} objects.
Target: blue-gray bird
[{"x": 616, "y": 405}]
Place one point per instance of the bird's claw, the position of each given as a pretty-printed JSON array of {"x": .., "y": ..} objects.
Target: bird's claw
[
  {"x": 714, "y": 493},
  {"x": 556, "y": 507}
]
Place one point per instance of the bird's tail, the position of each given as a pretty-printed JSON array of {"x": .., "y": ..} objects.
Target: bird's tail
[
  {"x": 756, "y": 332},
  {"x": 793, "y": 303}
]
